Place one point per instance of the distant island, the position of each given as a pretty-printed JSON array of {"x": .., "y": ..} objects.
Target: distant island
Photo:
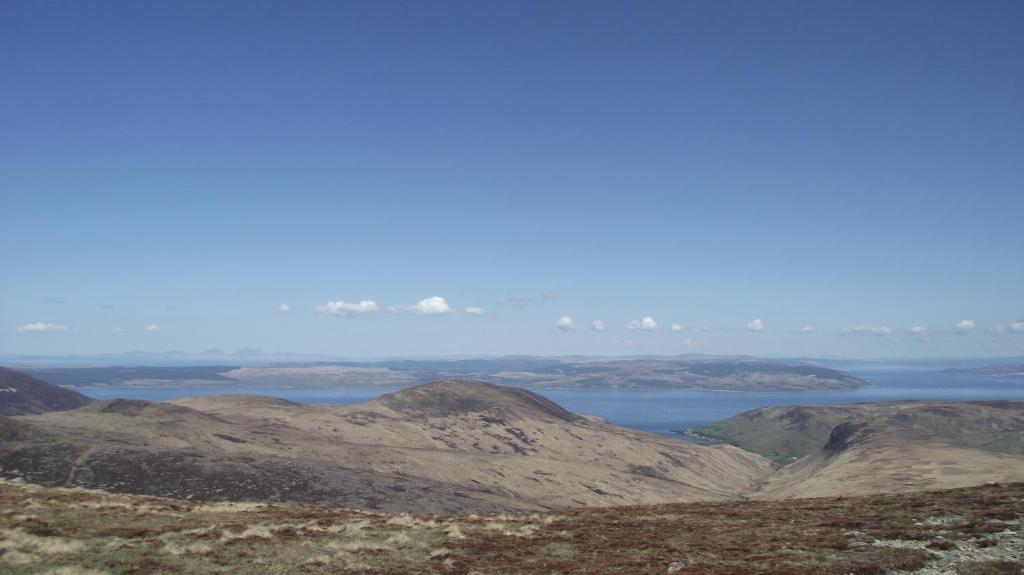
[
  {"x": 1014, "y": 371},
  {"x": 678, "y": 372}
]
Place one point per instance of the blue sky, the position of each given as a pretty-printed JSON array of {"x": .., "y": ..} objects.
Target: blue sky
[{"x": 857, "y": 167}]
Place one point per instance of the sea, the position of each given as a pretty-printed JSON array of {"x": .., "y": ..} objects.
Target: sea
[{"x": 664, "y": 412}]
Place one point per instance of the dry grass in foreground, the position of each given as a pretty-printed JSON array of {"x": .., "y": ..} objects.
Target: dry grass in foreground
[{"x": 974, "y": 531}]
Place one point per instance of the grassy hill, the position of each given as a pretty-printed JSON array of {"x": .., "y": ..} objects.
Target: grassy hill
[{"x": 784, "y": 434}]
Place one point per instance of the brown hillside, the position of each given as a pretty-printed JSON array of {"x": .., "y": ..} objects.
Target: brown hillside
[{"x": 443, "y": 447}]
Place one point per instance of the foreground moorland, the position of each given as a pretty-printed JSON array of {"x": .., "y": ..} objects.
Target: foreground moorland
[{"x": 971, "y": 531}]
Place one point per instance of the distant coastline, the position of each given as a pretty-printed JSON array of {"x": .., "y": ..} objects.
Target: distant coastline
[{"x": 717, "y": 374}]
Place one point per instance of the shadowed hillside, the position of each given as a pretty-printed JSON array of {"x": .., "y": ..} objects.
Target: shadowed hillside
[{"x": 22, "y": 394}]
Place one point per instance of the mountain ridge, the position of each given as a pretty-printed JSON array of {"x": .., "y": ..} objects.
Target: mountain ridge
[{"x": 443, "y": 448}]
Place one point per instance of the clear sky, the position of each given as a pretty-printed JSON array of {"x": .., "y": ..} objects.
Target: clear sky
[{"x": 741, "y": 169}]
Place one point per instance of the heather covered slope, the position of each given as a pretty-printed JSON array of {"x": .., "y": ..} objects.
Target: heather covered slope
[
  {"x": 22, "y": 394},
  {"x": 861, "y": 458},
  {"x": 975, "y": 531},
  {"x": 788, "y": 433},
  {"x": 881, "y": 447},
  {"x": 446, "y": 447}
]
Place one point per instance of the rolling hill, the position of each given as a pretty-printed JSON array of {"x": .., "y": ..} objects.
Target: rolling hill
[
  {"x": 445, "y": 447},
  {"x": 471, "y": 447},
  {"x": 881, "y": 447},
  {"x": 790, "y": 432}
]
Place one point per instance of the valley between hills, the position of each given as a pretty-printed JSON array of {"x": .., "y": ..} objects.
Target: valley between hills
[{"x": 507, "y": 468}]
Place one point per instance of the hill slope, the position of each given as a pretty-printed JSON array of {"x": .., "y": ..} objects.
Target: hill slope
[
  {"x": 863, "y": 458},
  {"x": 787, "y": 433},
  {"x": 881, "y": 447},
  {"x": 443, "y": 447},
  {"x": 22, "y": 394}
]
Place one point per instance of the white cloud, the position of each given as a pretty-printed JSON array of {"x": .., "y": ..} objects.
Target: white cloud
[
  {"x": 919, "y": 330},
  {"x": 646, "y": 324},
  {"x": 598, "y": 325},
  {"x": 476, "y": 311},
  {"x": 1017, "y": 326},
  {"x": 677, "y": 327},
  {"x": 756, "y": 325},
  {"x": 700, "y": 329},
  {"x": 806, "y": 328},
  {"x": 117, "y": 330},
  {"x": 430, "y": 306},
  {"x": 565, "y": 323},
  {"x": 284, "y": 308},
  {"x": 965, "y": 325},
  {"x": 41, "y": 327},
  {"x": 152, "y": 328},
  {"x": 344, "y": 308},
  {"x": 878, "y": 330}
]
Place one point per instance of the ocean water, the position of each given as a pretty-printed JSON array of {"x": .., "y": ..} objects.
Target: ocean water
[{"x": 663, "y": 412}]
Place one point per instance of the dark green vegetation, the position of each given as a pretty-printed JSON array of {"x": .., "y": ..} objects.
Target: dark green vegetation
[
  {"x": 784, "y": 434},
  {"x": 73, "y": 532},
  {"x": 21, "y": 394}
]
